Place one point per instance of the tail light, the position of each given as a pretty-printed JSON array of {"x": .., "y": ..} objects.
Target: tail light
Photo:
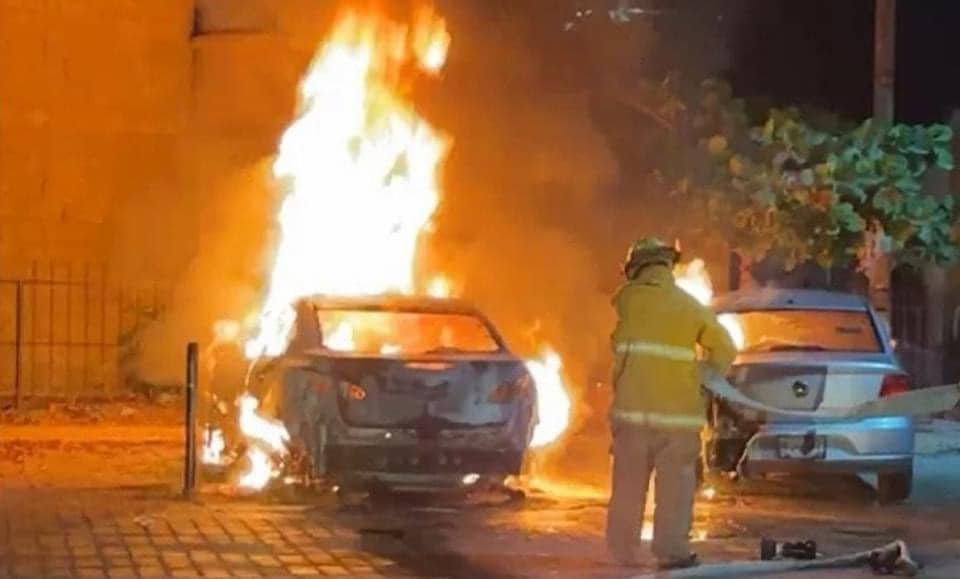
[
  {"x": 511, "y": 390},
  {"x": 894, "y": 384},
  {"x": 353, "y": 391}
]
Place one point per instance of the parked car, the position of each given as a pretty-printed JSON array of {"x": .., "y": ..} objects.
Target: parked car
[
  {"x": 812, "y": 350},
  {"x": 402, "y": 393}
]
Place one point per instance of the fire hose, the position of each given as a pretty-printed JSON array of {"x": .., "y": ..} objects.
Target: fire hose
[
  {"x": 916, "y": 402},
  {"x": 890, "y": 559}
]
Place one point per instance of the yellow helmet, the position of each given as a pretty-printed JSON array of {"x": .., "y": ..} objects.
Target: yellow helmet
[{"x": 649, "y": 251}]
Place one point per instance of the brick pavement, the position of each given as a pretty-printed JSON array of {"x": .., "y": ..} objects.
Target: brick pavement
[{"x": 132, "y": 534}]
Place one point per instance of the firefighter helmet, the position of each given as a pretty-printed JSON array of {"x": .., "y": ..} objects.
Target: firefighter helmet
[{"x": 649, "y": 251}]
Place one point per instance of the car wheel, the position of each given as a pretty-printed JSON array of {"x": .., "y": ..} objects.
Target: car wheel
[{"x": 894, "y": 487}]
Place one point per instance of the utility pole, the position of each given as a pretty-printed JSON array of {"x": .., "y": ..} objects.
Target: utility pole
[
  {"x": 884, "y": 59},
  {"x": 878, "y": 262}
]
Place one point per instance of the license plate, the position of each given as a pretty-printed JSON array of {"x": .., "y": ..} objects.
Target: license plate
[{"x": 798, "y": 447}]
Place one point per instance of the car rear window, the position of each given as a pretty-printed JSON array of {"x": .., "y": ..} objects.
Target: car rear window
[
  {"x": 405, "y": 333},
  {"x": 802, "y": 330}
]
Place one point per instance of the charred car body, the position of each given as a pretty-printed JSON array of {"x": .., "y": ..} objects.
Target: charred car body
[
  {"x": 402, "y": 393},
  {"x": 811, "y": 351}
]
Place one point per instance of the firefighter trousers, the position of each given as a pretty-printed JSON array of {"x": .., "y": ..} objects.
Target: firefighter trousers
[{"x": 638, "y": 452}]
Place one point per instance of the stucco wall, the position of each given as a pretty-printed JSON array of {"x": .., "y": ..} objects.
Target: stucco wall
[{"x": 92, "y": 100}]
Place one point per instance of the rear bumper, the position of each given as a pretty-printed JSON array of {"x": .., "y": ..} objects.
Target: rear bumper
[
  {"x": 855, "y": 446},
  {"x": 425, "y": 460},
  {"x": 872, "y": 464}
]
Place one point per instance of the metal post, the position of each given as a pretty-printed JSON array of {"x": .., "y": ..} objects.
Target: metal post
[
  {"x": 190, "y": 399},
  {"x": 17, "y": 339}
]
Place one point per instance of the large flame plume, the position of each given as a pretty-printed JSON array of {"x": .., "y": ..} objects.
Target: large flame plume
[{"x": 360, "y": 170}]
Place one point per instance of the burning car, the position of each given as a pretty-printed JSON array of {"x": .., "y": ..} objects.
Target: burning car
[
  {"x": 406, "y": 393},
  {"x": 812, "y": 351}
]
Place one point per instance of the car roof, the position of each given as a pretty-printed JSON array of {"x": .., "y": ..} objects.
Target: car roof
[
  {"x": 788, "y": 299},
  {"x": 395, "y": 302}
]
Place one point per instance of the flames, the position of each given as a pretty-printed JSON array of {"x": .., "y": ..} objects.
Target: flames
[
  {"x": 359, "y": 170},
  {"x": 266, "y": 440},
  {"x": 694, "y": 279},
  {"x": 553, "y": 400}
]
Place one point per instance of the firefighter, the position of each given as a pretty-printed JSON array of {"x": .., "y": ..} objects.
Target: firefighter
[{"x": 658, "y": 407}]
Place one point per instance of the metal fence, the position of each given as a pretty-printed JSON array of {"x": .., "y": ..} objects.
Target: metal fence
[{"x": 65, "y": 330}]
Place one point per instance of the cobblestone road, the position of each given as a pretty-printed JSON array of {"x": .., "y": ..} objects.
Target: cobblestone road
[{"x": 127, "y": 534}]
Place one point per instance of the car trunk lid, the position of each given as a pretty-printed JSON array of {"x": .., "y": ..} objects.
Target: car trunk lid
[
  {"x": 811, "y": 380},
  {"x": 427, "y": 394}
]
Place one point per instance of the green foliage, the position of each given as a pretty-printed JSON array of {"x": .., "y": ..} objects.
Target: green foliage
[{"x": 804, "y": 193}]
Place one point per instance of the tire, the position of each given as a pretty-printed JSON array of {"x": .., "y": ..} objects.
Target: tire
[{"x": 894, "y": 487}]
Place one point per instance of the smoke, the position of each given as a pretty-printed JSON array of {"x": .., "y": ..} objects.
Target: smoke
[
  {"x": 224, "y": 277},
  {"x": 530, "y": 225}
]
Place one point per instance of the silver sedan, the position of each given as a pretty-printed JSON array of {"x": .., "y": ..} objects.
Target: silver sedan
[{"x": 812, "y": 350}]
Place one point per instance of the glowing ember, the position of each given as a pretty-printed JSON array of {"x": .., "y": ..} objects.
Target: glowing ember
[
  {"x": 360, "y": 171},
  {"x": 646, "y": 532},
  {"x": 709, "y": 493},
  {"x": 213, "y": 446},
  {"x": 553, "y": 401},
  {"x": 694, "y": 279}
]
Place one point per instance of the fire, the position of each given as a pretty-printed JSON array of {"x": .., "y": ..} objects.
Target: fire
[
  {"x": 341, "y": 339},
  {"x": 266, "y": 438},
  {"x": 256, "y": 427},
  {"x": 553, "y": 402},
  {"x": 439, "y": 287},
  {"x": 213, "y": 446},
  {"x": 261, "y": 470},
  {"x": 694, "y": 279},
  {"x": 360, "y": 169}
]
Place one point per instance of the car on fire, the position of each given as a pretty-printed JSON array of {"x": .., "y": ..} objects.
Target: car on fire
[
  {"x": 814, "y": 351},
  {"x": 400, "y": 393}
]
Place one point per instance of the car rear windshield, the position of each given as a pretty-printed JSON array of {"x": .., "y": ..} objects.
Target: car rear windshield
[
  {"x": 405, "y": 333},
  {"x": 803, "y": 330}
]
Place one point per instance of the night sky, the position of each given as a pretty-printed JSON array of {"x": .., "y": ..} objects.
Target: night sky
[{"x": 820, "y": 53}]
